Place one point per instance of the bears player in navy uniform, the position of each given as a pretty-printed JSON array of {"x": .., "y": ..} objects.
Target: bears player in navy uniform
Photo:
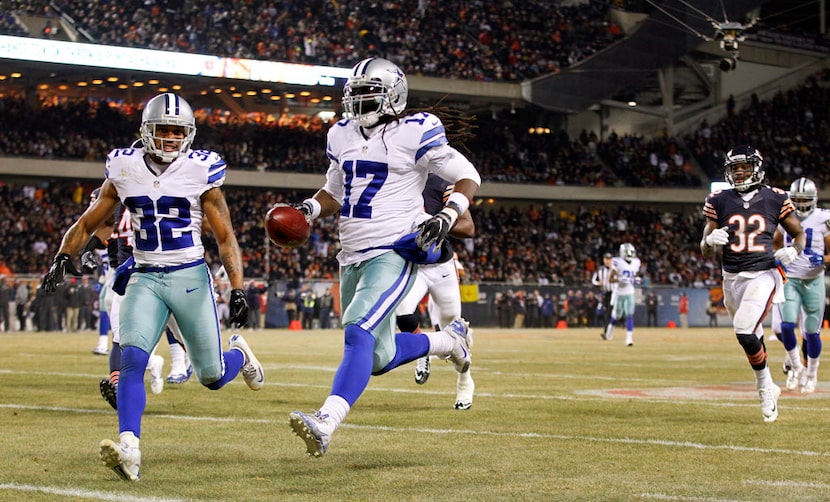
[
  {"x": 439, "y": 280},
  {"x": 742, "y": 221}
]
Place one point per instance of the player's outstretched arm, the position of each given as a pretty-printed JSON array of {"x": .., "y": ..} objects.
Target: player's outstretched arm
[{"x": 218, "y": 217}]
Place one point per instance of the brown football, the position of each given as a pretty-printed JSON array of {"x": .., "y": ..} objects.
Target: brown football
[{"x": 286, "y": 226}]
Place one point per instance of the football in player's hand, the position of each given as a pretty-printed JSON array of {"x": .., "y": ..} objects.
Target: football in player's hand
[{"x": 286, "y": 226}]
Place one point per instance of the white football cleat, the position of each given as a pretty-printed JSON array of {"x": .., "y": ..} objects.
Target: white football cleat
[
  {"x": 460, "y": 355},
  {"x": 123, "y": 459},
  {"x": 809, "y": 386},
  {"x": 311, "y": 429},
  {"x": 251, "y": 369},
  {"x": 422, "y": 368},
  {"x": 154, "y": 366},
  {"x": 465, "y": 388},
  {"x": 794, "y": 377},
  {"x": 769, "y": 402}
]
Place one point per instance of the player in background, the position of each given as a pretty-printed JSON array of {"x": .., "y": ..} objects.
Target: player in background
[
  {"x": 440, "y": 281},
  {"x": 95, "y": 258},
  {"x": 625, "y": 272},
  {"x": 120, "y": 250},
  {"x": 602, "y": 280},
  {"x": 169, "y": 189},
  {"x": 741, "y": 222},
  {"x": 222, "y": 288},
  {"x": 805, "y": 289},
  {"x": 775, "y": 325},
  {"x": 380, "y": 157}
]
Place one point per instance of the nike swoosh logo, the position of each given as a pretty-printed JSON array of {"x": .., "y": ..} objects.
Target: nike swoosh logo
[
  {"x": 188, "y": 290},
  {"x": 445, "y": 276}
]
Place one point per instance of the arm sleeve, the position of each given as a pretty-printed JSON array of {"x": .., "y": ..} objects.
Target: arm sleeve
[{"x": 455, "y": 166}]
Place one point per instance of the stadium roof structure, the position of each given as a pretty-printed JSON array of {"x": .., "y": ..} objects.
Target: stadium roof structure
[{"x": 669, "y": 33}]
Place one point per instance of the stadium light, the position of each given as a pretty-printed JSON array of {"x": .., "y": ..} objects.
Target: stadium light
[{"x": 178, "y": 63}]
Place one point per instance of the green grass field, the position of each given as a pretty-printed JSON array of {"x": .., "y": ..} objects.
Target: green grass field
[{"x": 558, "y": 415}]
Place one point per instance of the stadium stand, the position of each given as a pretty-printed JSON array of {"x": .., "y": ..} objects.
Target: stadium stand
[
  {"x": 450, "y": 38},
  {"x": 475, "y": 41}
]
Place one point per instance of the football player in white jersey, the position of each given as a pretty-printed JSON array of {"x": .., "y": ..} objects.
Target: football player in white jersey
[
  {"x": 439, "y": 281},
  {"x": 625, "y": 271},
  {"x": 379, "y": 161},
  {"x": 169, "y": 189},
  {"x": 95, "y": 258},
  {"x": 805, "y": 289}
]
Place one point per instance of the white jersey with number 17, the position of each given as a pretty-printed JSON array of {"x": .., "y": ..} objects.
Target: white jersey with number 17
[{"x": 378, "y": 178}]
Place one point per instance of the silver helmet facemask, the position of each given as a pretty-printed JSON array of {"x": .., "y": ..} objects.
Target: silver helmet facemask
[
  {"x": 627, "y": 251},
  {"x": 804, "y": 194},
  {"x": 171, "y": 110},
  {"x": 377, "y": 87}
]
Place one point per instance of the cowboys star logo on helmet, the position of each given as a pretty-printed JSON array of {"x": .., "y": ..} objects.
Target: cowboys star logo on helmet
[
  {"x": 376, "y": 89},
  {"x": 804, "y": 195}
]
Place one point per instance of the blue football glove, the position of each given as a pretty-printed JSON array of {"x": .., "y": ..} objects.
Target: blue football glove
[{"x": 816, "y": 260}]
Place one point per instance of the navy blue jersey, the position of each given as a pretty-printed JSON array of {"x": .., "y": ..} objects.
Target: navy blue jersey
[
  {"x": 121, "y": 240},
  {"x": 751, "y": 225},
  {"x": 436, "y": 191}
]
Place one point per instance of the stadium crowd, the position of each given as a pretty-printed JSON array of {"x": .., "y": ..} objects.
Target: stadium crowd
[
  {"x": 471, "y": 40},
  {"x": 516, "y": 244},
  {"x": 789, "y": 129}
]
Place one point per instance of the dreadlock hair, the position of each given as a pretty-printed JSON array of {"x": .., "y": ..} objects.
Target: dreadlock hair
[{"x": 460, "y": 127}]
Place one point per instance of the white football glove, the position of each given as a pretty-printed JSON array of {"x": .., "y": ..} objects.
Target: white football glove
[
  {"x": 718, "y": 237},
  {"x": 786, "y": 255}
]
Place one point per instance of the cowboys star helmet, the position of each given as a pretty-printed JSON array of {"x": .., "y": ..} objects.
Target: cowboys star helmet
[
  {"x": 376, "y": 88},
  {"x": 740, "y": 155},
  {"x": 167, "y": 109},
  {"x": 804, "y": 195},
  {"x": 627, "y": 251}
]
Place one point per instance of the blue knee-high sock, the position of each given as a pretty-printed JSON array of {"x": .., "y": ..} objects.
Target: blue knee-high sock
[
  {"x": 813, "y": 343},
  {"x": 408, "y": 347},
  {"x": 234, "y": 359},
  {"x": 355, "y": 369},
  {"x": 132, "y": 398},
  {"x": 115, "y": 357},
  {"x": 788, "y": 337},
  {"x": 629, "y": 323},
  {"x": 103, "y": 323}
]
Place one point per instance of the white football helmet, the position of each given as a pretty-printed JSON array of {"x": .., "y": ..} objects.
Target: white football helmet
[
  {"x": 167, "y": 109},
  {"x": 744, "y": 154},
  {"x": 376, "y": 88},
  {"x": 627, "y": 251},
  {"x": 804, "y": 195}
]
